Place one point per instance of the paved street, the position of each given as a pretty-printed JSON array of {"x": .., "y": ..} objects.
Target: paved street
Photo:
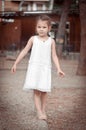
[{"x": 66, "y": 106}]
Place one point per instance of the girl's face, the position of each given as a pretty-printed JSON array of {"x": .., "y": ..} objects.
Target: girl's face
[{"x": 42, "y": 28}]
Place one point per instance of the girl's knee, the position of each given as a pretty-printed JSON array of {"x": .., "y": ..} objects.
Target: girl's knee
[{"x": 37, "y": 92}]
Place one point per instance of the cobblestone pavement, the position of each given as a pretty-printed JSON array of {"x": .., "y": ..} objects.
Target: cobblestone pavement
[{"x": 66, "y": 105}]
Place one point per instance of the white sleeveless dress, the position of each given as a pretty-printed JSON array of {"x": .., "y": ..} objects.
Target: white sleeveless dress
[{"x": 38, "y": 75}]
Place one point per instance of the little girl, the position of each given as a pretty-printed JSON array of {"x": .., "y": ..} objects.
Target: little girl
[{"x": 38, "y": 75}]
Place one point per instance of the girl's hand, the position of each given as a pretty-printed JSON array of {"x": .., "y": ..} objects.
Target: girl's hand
[
  {"x": 13, "y": 69},
  {"x": 61, "y": 73}
]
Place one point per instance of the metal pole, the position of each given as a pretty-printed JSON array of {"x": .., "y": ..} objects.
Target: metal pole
[
  {"x": 51, "y": 4},
  {"x": 20, "y": 5},
  {"x": 3, "y": 6}
]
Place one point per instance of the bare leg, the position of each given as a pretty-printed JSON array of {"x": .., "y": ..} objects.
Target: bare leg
[
  {"x": 43, "y": 103},
  {"x": 37, "y": 100},
  {"x": 40, "y": 103}
]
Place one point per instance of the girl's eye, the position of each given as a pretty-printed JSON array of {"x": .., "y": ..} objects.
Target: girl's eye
[
  {"x": 39, "y": 27},
  {"x": 44, "y": 27}
]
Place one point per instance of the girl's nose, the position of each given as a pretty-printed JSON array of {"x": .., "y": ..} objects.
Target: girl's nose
[{"x": 41, "y": 28}]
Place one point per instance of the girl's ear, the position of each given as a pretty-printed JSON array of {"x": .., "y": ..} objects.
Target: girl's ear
[
  {"x": 49, "y": 28},
  {"x": 36, "y": 31}
]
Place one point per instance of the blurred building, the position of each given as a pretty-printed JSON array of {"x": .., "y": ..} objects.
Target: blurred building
[{"x": 18, "y": 17}]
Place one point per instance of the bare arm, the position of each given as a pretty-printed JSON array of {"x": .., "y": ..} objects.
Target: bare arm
[
  {"x": 55, "y": 58},
  {"x": 22, "y": 53}
]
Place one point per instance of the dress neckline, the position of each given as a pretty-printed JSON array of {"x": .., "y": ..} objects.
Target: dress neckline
[{"x": 42, "y": 40}]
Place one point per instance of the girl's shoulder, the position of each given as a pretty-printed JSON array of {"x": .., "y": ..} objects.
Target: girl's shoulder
[
  {"x": 32, "y": 38},
  {"x": 52, "y": 40}
]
